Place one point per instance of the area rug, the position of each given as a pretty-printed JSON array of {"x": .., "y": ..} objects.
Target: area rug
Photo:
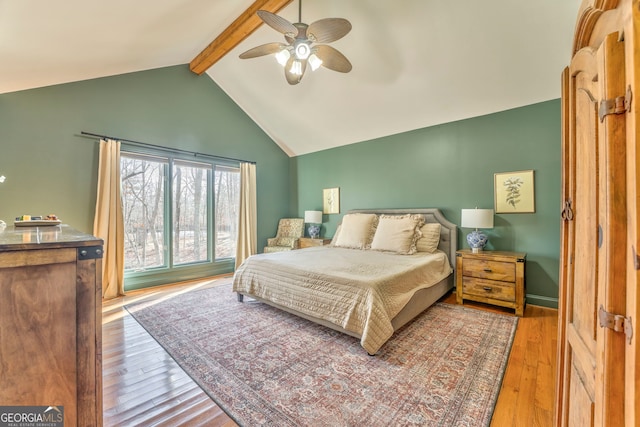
[{"x": 263, "y": 366}]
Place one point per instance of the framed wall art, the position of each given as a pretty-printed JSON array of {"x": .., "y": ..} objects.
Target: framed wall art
[
  {"x": 331, "y": 200},
  {"x": 514, "y": 192}
]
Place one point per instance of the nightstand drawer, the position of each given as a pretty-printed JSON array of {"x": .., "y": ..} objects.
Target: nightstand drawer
[
  {"x": 492, "y": 270},
  {"x": 488, "y": 289},
  {"x": 307, "y": 242}
]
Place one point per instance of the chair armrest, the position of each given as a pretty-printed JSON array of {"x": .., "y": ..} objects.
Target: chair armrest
[{"x": 290, "y": 242}]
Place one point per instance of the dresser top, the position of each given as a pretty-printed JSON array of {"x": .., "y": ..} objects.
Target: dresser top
[{"x": 54, "y": 236}]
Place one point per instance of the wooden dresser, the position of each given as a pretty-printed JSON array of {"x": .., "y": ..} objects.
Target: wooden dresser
[
  {"x": 492, "y": 277},
  {"x": 51, "y": 321}
]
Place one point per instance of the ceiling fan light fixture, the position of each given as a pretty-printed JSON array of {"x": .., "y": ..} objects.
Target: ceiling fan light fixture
[
  {"x": 306, "y": 45},
  {"x": 314, "y": 62},
  {"x": 296, "y": 68},
  {"x": 283, "y": 56},
  {"x": 302, "y": 50}
]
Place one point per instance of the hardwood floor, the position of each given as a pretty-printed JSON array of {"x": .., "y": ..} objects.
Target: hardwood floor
[{"x": 143, "y": 386}]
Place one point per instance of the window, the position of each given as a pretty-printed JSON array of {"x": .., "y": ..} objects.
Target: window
[
  {"x": 180, "y": 217},
  {"x": 190, "y": 217},
  {"x": 143, "y": 211},
  {"x": 227, "y": 189}
]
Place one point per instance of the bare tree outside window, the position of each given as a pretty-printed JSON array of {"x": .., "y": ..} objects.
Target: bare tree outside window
[
  {"x": 190, "y": 229},
  {"x": 156, "y": 190},
  {"x": 227, "y": 205},
  {"x": 142, "y": 205}
]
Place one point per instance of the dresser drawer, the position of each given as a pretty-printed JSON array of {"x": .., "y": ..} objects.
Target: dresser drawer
[
  {"x": 488, "y": 289},
  {"x": 492, "y": 270}
]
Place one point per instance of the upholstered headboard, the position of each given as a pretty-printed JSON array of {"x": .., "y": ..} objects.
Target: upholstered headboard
[{"x": 448, "y": 231}]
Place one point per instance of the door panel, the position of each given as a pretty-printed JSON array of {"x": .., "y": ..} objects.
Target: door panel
[
  {"x": 594, "y": 179},
  {"x": 581, "y": 412},
  {"x": 581, "y": 283},
  {"x": 612, "y": 222}
]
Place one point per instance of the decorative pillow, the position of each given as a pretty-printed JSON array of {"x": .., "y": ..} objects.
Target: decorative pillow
[
  {"x": 397, "y": 233},
  {"x": 356, "y": 231},
  {"x": 334, "y": 240},
  {"x": 430, "y": 238}
]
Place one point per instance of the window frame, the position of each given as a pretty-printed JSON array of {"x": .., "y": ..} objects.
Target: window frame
[{"x": 170, "y": 273}]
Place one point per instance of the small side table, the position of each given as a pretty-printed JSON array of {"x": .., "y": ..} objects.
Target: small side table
[
  {"x": 492, "y": 277},
  {"x": 308, "y": 242}
]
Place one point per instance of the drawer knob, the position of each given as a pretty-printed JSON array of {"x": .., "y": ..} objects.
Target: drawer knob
[
  {"x": 488, "y": 270},
  {"x": 487, "y": 288}
]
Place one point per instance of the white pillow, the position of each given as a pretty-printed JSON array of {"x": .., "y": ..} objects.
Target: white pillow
[
  {"x": 430, "y": 238},
  {"x": 397, "y": 233},
  {"x": 334, "y": 240},
  {"x": 356, "y": 231}
]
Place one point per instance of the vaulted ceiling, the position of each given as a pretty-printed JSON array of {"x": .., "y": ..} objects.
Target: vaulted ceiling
[{"x": 416, "y": 63}]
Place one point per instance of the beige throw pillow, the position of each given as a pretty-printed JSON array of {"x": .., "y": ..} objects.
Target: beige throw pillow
[
  {"x": 430, "y": 238},
  {"x": 397, "y": 233},
  {"x": 356, "y": 231},
  {"x": 334, "y": 240}
]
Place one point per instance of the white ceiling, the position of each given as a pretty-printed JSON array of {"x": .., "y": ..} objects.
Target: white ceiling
[{"x": 416, "y": 63}]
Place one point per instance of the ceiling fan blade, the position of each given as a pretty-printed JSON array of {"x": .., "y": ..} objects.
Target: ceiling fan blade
[
  {"x": 278, "y": 23},
  {"x": 328, "y": 30},
  {"x": 294, "y": 78},
  {"x": 265, "y": 49},
  {"x": 332, "y": 58}
]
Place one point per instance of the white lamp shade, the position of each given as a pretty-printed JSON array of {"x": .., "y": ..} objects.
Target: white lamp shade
[
  {"x": 477, "y": 218},
  {"x": 313, "y": 217}
]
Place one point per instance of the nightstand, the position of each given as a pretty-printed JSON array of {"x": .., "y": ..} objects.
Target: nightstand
[
  {"x": 492, "y": 277},
  {"x": 308, "y": 242}
]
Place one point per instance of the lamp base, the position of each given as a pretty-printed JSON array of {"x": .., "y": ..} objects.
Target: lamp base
[
  {"x": 477, "y": 240},
  {"x": 314, "y": 231}
]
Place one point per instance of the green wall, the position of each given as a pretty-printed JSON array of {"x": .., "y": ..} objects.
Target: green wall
[
  {"x": 452, "y": 167},
  {"x": 50, "y": 168}
]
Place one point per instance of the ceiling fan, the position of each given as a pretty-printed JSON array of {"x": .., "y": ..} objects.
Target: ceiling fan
[{"x": 301, "y": 50}]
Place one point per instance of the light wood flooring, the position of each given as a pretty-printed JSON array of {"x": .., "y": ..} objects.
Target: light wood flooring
[{"x": 143, "y": 386}]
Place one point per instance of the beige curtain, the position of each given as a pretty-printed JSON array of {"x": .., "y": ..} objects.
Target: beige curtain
[
  {"x": 108, "y": 224},
  {"x": 247, "y": 229}
]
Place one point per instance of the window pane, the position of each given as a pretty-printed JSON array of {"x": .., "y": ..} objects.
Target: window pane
[
  {"x": 143, "y": 212},
  {"x": 190, "y": 229},
  {"x": 227, "y": 203}
]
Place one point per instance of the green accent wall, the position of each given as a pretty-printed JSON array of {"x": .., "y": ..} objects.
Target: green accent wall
[
  {"x": 451, "y": 167},
  {"x": 51, "y": 168}
]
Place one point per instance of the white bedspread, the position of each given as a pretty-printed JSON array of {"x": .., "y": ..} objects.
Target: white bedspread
[{"x": 359, "y": 290}]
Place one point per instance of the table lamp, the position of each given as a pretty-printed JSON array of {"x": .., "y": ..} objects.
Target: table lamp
[
  {"x": 314, "y": 219},
  {"x": 477, "y": 218}
]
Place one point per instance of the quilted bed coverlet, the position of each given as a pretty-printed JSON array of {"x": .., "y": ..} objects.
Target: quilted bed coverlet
[{"x": 359, "y": 290}]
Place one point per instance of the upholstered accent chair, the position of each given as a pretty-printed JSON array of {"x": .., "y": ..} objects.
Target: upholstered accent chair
[{"x": 290, "y": 230}]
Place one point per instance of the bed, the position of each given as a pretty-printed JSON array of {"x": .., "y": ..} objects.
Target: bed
[{"x": 373, "y": 278}]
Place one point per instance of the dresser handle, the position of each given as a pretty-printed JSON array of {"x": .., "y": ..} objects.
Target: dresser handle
[
  {"x": 486, "y": 288},
  {"x": 487, "y": 270}
]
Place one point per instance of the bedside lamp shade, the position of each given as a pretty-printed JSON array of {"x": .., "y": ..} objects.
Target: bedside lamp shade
[
  {"x": 314, "y": 219},
  {"x": 477, "y": 218}
]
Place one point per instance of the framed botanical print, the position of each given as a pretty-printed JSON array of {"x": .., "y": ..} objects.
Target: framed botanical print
[
  {"x": 331, "y": 200},
  {"x": 514, "y": 192}
]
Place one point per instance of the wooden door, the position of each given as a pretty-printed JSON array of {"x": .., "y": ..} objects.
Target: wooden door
[{"x": 593, "y": 388}]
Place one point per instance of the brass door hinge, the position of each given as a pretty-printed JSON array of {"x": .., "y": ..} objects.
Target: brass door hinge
[
  {"x": 616, "y": 322},
  {"x": 618, "y": 105}
]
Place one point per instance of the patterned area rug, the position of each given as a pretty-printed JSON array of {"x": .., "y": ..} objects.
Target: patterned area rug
[{"x": 266, "y": 367}]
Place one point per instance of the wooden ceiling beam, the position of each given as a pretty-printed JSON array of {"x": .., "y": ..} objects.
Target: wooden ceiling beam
[{"x": 235, "y": 33}]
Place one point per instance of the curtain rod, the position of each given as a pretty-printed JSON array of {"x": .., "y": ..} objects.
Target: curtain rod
[{"x": 178, "y": 150}]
